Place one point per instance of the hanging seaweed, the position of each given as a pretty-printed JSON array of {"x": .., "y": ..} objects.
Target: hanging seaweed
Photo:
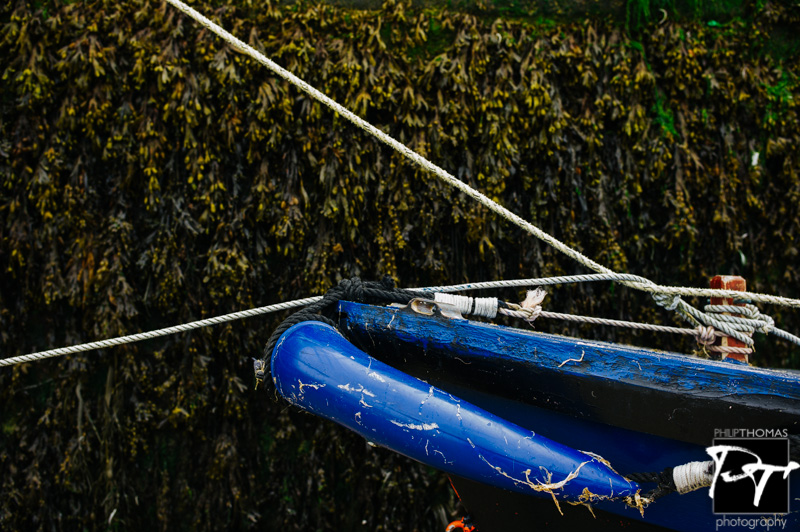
[{"x": 152, "y": 175}]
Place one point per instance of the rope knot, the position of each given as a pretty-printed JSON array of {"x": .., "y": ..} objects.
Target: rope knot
[
  {"x": 763, "y": 323},
  {"x": 668, "y": 301},
  {"x": 533, "y": 304},
  {"x": 768, "y": 325},
  {"x": 352, "y": 289},
  {"x": 387, "y": 282},
  {"x": 706, "y": 335},
  {"x": 739, "y": 322}
]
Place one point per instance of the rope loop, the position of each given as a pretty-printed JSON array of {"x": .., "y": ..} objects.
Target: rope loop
[
  {"x": 746, "y": 311},
  {"x": 353, "y": 289},
  {"x": 748, "y": 319},
  {"x": 767, "y": 323}
]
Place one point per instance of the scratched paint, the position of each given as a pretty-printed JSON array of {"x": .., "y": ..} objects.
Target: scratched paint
[
  {"x": 428, "y": 424},
  {"x": 413, "y": 426},
  {"x": 667, "y": 394},
  {"x": 359, "y": 389}
]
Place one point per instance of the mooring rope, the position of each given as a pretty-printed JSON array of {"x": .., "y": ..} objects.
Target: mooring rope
[
  {"x": 641, "y": 284},
  {"x": 714, "y": 322},
  {"x": 512, "y": 309},
  {"x": 131, "y": 338},
  {"x": 523, "y": 315},
  {"x": 666, "y": 296}
]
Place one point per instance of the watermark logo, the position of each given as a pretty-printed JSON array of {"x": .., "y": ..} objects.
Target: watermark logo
[
  {"x": 764, "y": 523},
  {"x": 751, "y": 474}
]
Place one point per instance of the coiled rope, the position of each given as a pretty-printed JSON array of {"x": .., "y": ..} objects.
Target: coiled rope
[{"x": 713, "y": 323}]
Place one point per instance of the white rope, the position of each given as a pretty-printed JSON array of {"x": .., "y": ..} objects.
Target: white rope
[
  {"x": 740, "y": 327},
  {"x": 785, "y": 335},
  {"x": 712, "y": 323},
  {"x": 661, "y": 293},
  {"x": 665, "y": 296},
  {"x": 693, "y": 476},
  {"x": 539, "y": 281},
  {"x": 726, "y": 324},
  {"x": 527, "y": 314},
  {"x": 531, "y": 309},
  {"x": 121, "y": 340},
  {"x": 155, "y": 334},
  {"x": 386, "y": 139},
  {"x": 640, "y": 284},
  {"x": 669, "y": 291},
  {"x": 730, "y": 349},
  {"x": 485, "y": 307}
]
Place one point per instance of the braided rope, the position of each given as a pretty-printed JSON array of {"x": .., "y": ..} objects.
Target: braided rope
[
  {"x": 640, "y": 283},
  {"x": 730, "y": 325},
  {"x": 789, "y": 337},
  {"x": 730, "y": 349},
  {"x": 665, "y": 296},
  {"x": 669, "y": 293},
  {"x": 531, "y": 309},
  {"x": 157, "y": 333},
  {"x": 539, "y": 281},
  {"x": 705, "y": 334},
  {"x": 710, "y": 324},
  {"x": 386, "y": 139},
  {"x": 730, "y": 328},
  {"x": 530, "y": 315}
]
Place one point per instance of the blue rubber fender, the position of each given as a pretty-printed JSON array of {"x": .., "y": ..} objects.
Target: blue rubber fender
[{"x": 317, "y": 369}]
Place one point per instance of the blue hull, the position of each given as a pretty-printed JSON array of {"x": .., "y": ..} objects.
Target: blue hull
[
  {"x": 641, "y": 410},
  {"x": 317, "y": 369}
]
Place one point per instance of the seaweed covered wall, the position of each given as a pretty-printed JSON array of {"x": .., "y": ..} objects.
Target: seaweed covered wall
[{"x": 151, "y": 175}]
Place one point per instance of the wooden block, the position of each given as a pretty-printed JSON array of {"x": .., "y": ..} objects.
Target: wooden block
[{"x": 729, "y": 282}]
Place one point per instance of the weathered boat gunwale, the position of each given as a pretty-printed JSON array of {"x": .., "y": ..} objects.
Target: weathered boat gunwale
[{"x": 666, "y": 394}]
